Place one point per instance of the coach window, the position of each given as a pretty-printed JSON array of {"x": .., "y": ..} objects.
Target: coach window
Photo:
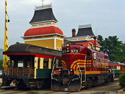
[
  {"x": 88, "y": 54},
  {"x": 38, "y": 63},
  {"x": 45, "y": 63},
  {"x": 12, "y": 63},
  {"x": 20, "y": 63}
]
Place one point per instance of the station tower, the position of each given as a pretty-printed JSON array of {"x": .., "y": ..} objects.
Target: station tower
[{"x": 44, "y": 32}]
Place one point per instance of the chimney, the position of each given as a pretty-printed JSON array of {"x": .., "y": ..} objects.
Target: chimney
[{"x": 73, "y": 32}]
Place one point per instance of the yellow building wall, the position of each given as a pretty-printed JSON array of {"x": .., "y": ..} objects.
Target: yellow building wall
[
  {"x": 49, "y": 43},
  {"x": 59, "y": 44}
]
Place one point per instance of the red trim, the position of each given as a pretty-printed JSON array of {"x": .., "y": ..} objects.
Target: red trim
[
  {"x": 43, "y": 31},
  {"x": 93, "y": 42},
  {"x": 18, "y": 54},
  {"x": 114, "y": 65},
  {"x": 87, "y": 43},
  {"x": 37, "y": 55},
  {"x": 45, "y": 56}
]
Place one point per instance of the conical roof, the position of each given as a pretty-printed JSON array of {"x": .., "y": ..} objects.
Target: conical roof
[
  {"x": 85, "y": 30},
  {"x": 43, "y": 14}
]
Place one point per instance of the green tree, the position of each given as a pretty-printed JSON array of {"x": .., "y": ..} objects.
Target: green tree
[
  {"x": 101, "y": 42},
  {"x": 122, "y": 79},
  {"x": 113, "y": 47},
  {"x": 122, "y": 53}
]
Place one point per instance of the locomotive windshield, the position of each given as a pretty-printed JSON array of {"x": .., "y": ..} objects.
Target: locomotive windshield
[{"x": 74, "y": 51}]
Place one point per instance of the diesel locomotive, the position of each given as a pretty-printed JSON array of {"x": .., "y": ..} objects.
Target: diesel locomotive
[{"x": 81, "y": 67}]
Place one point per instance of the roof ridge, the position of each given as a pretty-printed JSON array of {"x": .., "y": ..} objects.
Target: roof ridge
[
  {"x": 43, "y": 7},
  {"x": 85, "y": 26}
]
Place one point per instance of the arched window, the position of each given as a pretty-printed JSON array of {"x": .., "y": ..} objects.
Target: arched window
[{"x": 90, "y": 45}]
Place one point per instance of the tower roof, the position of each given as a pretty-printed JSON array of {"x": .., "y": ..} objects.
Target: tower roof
[
  {"x": 85, "y": 30},
  {"x": 43, "y": 14},
  {"x": 43, "y": 31}
]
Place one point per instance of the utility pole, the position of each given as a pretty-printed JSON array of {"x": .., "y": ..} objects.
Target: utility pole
[{"x": 5, "y": 58}]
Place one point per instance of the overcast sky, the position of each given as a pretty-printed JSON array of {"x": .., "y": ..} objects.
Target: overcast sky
[{"x": 107, "y": 17}]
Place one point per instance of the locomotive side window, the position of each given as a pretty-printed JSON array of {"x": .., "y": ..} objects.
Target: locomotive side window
[
  {"x": 45, "y": 63},
  {"x": 94, "y": 55},
  {"x": 74, "y": 51},
  {"x": 88, "y": 54}
]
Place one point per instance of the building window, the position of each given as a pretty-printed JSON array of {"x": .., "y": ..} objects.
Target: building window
[
  {"x": 57, "y": 48},
  {"x": 60, "y": 49}
]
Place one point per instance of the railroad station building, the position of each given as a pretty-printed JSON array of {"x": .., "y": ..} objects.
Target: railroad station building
[
  {"x": 85, "y": 35},
  {"x": 44, "y": 32}
]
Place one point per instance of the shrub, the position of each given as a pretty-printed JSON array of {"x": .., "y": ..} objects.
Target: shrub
[{"x": 122, "y": 79}]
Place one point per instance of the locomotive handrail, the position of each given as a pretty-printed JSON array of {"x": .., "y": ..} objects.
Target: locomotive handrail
[
  {"x": 81, "y": 71},
  {"x": 85, "y": 69}
]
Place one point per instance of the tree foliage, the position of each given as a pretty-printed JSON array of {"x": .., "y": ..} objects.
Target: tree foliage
[
  {"x": 122, "y": 79},
  {"x": 113, "y": 47}
]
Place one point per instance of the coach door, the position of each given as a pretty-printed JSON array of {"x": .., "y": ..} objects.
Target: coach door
[{"x": 42, "y": 67}]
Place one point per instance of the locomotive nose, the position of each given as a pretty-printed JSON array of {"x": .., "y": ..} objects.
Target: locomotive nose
[{"x": 65, "y": 81}]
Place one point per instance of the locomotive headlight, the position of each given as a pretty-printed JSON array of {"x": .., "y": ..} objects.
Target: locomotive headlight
[
  {"x": 71, "y": 71},
  {"x": 74, "y": 51},
  {"x": 59, "y": 70}
]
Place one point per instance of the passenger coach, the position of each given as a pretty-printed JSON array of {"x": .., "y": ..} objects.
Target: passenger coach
[{"x": 29, "y": 66}]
